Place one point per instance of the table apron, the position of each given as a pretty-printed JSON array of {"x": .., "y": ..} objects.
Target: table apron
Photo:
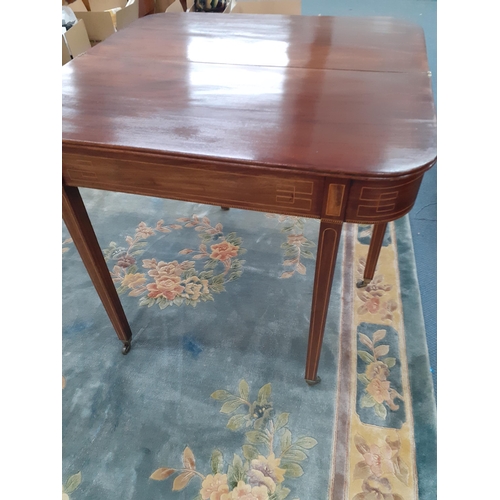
[
  {"x": 381, "y": 200},
  {"x": 211, "y": 184},
  {"x": 251, "y": 188}
]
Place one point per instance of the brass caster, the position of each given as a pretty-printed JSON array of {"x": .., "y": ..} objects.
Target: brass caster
[
  {"x": 224, "y": 208},
  {"x": 126, "y": 347},
  {"x": 362, "y": 283},
  {"x": 314, "y": 382}
]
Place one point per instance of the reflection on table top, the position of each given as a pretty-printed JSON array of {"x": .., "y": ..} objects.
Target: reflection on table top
[{"x": 321, "y": 94}]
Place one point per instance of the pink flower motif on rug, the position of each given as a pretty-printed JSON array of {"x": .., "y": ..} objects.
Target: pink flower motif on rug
[
  {"x": 269, "y": 456},
  {"x": 372, "y": 296},
  {"x": 380, "y": 467},
  {"x": 378, "y": 394},
  {"x": 177, "y": 282}
]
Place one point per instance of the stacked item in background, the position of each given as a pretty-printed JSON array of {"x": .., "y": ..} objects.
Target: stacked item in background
[
  {"x": 75, "y": 40},
  {"x": 103, "y": 18},
  {"x": 88, "y": 22}
]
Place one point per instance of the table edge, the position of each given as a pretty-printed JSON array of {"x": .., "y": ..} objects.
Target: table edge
[{"x": 142, "y": 154}]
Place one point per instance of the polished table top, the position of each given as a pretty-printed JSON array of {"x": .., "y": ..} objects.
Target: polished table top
[{"x": 322, "y": 95}]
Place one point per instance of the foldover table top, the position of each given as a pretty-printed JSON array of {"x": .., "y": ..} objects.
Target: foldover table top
[
  {"x": 323, "y": 95},
  {"x": 324, "y": 117}
]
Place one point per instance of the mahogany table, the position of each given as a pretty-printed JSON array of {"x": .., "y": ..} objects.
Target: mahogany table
[{"x": 324, "y": 117}]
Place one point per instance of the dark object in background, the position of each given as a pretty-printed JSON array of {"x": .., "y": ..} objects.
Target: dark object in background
[
  {"x": 68, "y": 25},
  {"x": 210, "y": 5}
]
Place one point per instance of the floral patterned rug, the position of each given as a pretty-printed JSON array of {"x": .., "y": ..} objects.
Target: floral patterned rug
[{"x": 211, "y": 403}]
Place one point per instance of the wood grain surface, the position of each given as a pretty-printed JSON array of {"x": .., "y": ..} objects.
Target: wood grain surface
[{"x": 326, "y": 95}]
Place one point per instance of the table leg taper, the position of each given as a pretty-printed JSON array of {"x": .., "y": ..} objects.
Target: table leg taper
[
  {"x": 328, "y": 245},
  {"x": 376, "y": 240},
  {"x": 78, "y": 223}
]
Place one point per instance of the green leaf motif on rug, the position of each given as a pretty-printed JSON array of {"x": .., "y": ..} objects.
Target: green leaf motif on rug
[
  {"x": 217, "y": 461},
  {"x": 71, "y": 485},
  {"x": 367, "y": 401},
  {"x": 270, "y": 455},
  {"x": 295, "y": 246},
  {"x": 237, "y": 422},
  {"x": 366, "y": 357}
]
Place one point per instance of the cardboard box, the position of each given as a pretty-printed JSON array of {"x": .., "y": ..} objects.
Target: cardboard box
[
  {"x": 80, "y": 6},
  {"x": 163, "y": 5},
  {"x": 102, "y": 5},
  {"x": 286, "y": 7},
  {"x": 175, "y": 7},
  {"x": 107, "y": 16},
  {"x": 66, "y": 56},
  {"x": 75, "y": 41}
]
